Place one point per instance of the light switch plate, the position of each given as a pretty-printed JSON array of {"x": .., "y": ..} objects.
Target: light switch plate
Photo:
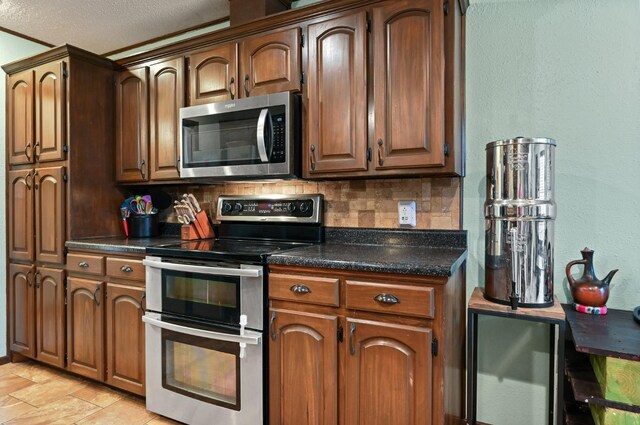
[{"x": 407, "y": 213}]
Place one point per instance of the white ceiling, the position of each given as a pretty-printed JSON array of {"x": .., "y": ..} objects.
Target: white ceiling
[{"x": 102, "y": 26}]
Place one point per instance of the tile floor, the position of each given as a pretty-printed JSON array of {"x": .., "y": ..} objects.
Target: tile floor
[{"x": 32, "y": 393}]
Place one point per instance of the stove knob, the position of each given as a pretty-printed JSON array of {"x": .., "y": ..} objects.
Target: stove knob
[
  {"x": 304, "y": 207},
  {"x": 291, "y": 208},
  {"x": 226, "y": 208},
  {"x": 237, "y": 207}
]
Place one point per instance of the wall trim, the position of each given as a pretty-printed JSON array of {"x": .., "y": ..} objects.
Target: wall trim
[
  {"x": 4, "y": 360},
  {"x": 26, "y": 37}
]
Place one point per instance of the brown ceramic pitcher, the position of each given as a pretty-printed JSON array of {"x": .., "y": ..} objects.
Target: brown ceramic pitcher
[{"x": 588, "y": 290}]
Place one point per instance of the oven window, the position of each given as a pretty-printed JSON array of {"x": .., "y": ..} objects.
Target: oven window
[
  {"x": 201, "y": 368},
  {"x": 201, "y": 296}
]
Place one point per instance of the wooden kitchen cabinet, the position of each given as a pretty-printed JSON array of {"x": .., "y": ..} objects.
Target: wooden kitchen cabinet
[
  {"x": 132, "y": 137},
  {"x": 303, "y": 368},
  {"x": 50, "y": 315},
  {"x": 85, "y": 327},
  {"x": 49, "y": 188},
  {"x": 20, "y": 94},
  {"x": 125, "y": 337},
  {"x": 271, "y": 63},
  {"x": 20, "y": 215},
  {"x": 337, "y": 96},
  {"x": 213, "y": 75},
  {"x": 388, "y": 374},
  {"x": 387, "y": 352},
  {"x": 50, "y": 137},
  {"x": 21, "y": 305}
]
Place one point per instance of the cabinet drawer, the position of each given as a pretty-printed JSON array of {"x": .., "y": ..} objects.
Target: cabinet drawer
[
  {"x": 399, "y": 299},
  {"x": 125, "y": 268},
  {"x": 304, "y": 289},
  {"x": 91, "y": 264}
]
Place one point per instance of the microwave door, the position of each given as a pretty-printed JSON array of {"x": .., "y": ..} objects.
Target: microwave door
[{"x": 264, "y": 133}]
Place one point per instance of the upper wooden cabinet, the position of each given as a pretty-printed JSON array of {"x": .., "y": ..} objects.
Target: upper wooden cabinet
[
  {"x": 408, "y": 81},
  {"x": 337, "y": 91},
  {"x": 20, "y": 141},
  {"x": 20, "y": 215},
  {"x": 49, "y": 187},
  {"x": 131, "y": 125},
  {"x": 166, "y": 92},
  {"x": 213, "y": 75},
  {"x": 271, "y": 63},
  {"x": 50, "y": 140}
]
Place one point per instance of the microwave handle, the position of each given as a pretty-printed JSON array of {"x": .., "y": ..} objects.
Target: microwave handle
[
  {"x": 250, "y": 337},
  {"x": 262, "y": 143},
  {"x": 217, "y": 271}
]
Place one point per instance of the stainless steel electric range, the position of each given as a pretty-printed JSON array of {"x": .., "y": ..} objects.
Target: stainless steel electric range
[{"x": 206, "y": 310}]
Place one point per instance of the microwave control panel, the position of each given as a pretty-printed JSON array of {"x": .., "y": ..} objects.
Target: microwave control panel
[
  {"x": 263, "y": 208},
  {"x": 279, "y": 136}
]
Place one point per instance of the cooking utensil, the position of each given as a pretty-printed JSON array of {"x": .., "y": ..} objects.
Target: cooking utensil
[
  {"x": 194, "y": 202},
  {"x": 124, "y": 213},
  {"x": 203, "y": 224}
]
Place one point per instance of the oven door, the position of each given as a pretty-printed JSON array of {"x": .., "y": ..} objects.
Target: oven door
[
  {"x": 208, "y": 291},
  {"x": 195, "y": 373}
]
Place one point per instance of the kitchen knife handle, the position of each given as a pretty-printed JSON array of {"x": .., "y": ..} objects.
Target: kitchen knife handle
[
  {"x": 95, "y": 295},
  {"x": 380, "y": 159},
  {"x": 300, "y": 289},
  {"x": 386, "y": 299},
  {"x": 232, "y": 86},
  {"x": 312, "y": 157},
  {"x": 272, "y": 331},
  {"x": 352, "y": 331}
]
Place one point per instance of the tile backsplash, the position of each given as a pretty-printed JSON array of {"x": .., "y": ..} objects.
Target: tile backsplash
[{"x": 355, "y": 203}]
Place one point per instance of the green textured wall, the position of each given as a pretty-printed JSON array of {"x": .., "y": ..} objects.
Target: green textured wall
[
  {"x": 570, "y": 70},
  {"x": 11, "y": 48}
]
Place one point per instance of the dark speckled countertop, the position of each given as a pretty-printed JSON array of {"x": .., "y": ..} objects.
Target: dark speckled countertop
[
  {"x": 417, "y": 252},
  {"x": 121, "y": 244}
]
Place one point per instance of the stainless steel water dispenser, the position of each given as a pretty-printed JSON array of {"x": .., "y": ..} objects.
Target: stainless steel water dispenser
[{"x": 519, "y": 218}]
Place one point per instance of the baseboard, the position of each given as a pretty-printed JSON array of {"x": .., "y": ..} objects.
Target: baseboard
[{"x": 4, "y": 360}]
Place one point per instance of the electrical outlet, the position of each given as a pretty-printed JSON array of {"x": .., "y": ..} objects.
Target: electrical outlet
[{"x": 407, "y": 213}]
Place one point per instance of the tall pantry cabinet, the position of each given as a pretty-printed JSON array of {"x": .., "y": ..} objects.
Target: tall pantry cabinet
[{"x": 60, "y": 185}]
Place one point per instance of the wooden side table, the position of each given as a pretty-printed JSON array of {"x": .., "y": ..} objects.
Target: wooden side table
[{"x": 554, "y": 316}]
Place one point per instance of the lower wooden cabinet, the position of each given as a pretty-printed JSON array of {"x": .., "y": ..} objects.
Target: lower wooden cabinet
[
  {"x": 21, "y": 308},
  {"x": 85, "y": 324},
  {"x": 125, "y": 337},
  {"x": 303, "y": 369}
]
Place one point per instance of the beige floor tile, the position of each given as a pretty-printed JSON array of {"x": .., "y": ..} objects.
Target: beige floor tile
[
  {"x": 49, "y": 391},
  {"x": 66, "y": 410},
  {"x": 128, "y": 411},
  {"x": 161, "y": 420},
  {"x": 34, "y": 372},
  {"x": 11, "y": 407},
  {"x": 10, "y": 383},
  {"x": 98, "y": 394}
]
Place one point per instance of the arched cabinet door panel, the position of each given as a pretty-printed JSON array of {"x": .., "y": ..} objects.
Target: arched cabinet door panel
[
  {"x": 49, "y": 186},
  {"x": 20, "y": 215},
  {"x": 213, "y": 75},
  {"x": 20, "y": 131},
  {"x": 21, "y": 310},
  {"x": 50, "y": 112},
  {"x": 50, "y": 315}
]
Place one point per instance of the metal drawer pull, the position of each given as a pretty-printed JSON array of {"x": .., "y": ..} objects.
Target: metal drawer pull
[
  {"x": 352, "y": 347},
  {"x": 380, "y": 160},
  {"x": 300, "y": 289},
  {"x": 274, "y": 335},
  {"x": 246, "y": 85},
  {"x": 386, "y": 298},
  {"x": 126, "y": 269},
  {"x": 95, "y": 295},
  {"x": 83, "y": 264},
  {"x": 26, "y": 151}
]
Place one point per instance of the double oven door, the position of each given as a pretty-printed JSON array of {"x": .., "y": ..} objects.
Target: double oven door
[{"x": 204, "y": 341}]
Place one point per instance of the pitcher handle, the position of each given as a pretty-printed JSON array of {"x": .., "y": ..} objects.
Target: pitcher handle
[{"x": 568, "y": 269}]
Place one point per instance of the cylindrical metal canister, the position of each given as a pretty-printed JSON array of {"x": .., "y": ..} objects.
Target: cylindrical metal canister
[{"x": 519, "y": 220}]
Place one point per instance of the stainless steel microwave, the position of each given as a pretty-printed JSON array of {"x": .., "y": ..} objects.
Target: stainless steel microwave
[{"x": 250, "y": 138}]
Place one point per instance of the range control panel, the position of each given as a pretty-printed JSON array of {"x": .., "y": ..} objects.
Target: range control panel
[{"x": 275, "y": 208}]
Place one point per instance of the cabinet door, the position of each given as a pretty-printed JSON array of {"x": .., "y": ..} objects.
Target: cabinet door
[
  {"x": 125, "y": 338},
  {"x": 408, "y": 78},
  {"x": 85, "y": 327},
  {"x": 50, "y": 315},
  {"x": 388, "y": 374},
  {"x": 50, "y": 112},
  {"x": 49, "y": 187},
  {"x": 166, "y": 90},
  {"x": 213, "y": 75},
  {"x": 20, "y": 140},
  {"x": 303, "y": 368},
  {"x": 20, "y": 210},
  {"x": 271, "y": 63},
  {"x": 131, "y": 125},
  {"x": 337, "y": 126},
  {"x": 21, "y": 310}
]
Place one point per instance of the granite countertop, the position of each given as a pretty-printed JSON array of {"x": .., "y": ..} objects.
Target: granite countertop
[
  {"x": 120, "y": 243},
  {"x": 428, "y": 253}
]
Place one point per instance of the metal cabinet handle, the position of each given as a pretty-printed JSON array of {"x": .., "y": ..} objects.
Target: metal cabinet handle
[
  {"x": 26, "y": 151},
  {"x": 272, "y": 330},
  {"x": 35, "y": 185},
  {"x": 380, "y": 159},
  {"x": 26, "y": 180},
  {"x": 300, "y": 289},
  {"x": 246, "y": 85},
  {"x": 386, "y": 299},
  {"x": 142, "y": 173},
  {"x": 35, "y": 279},
  {"x": 352, "y": 331},
  {"x": 232, "y": 86},
  {"x": 126, "y": 269},
  {"x": 144, "y": 296},
  {"x": 83, "y": 264},
  {"x": 35, "y": 151},
  {"x": 95, "y": 295},
  {"x": 27, "y": 277},
  {"x": 312, "y": 157}
]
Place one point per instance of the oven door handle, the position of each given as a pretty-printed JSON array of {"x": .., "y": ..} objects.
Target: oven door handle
[
  {"x": 250, "y": 337},
  {"x": 217, "y": 271}
]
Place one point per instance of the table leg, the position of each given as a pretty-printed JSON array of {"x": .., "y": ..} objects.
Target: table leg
[
  {"x": 552, "y": 373},
  {"x": 560, "y": 376},
  {"x": 472, "y": 366}
]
